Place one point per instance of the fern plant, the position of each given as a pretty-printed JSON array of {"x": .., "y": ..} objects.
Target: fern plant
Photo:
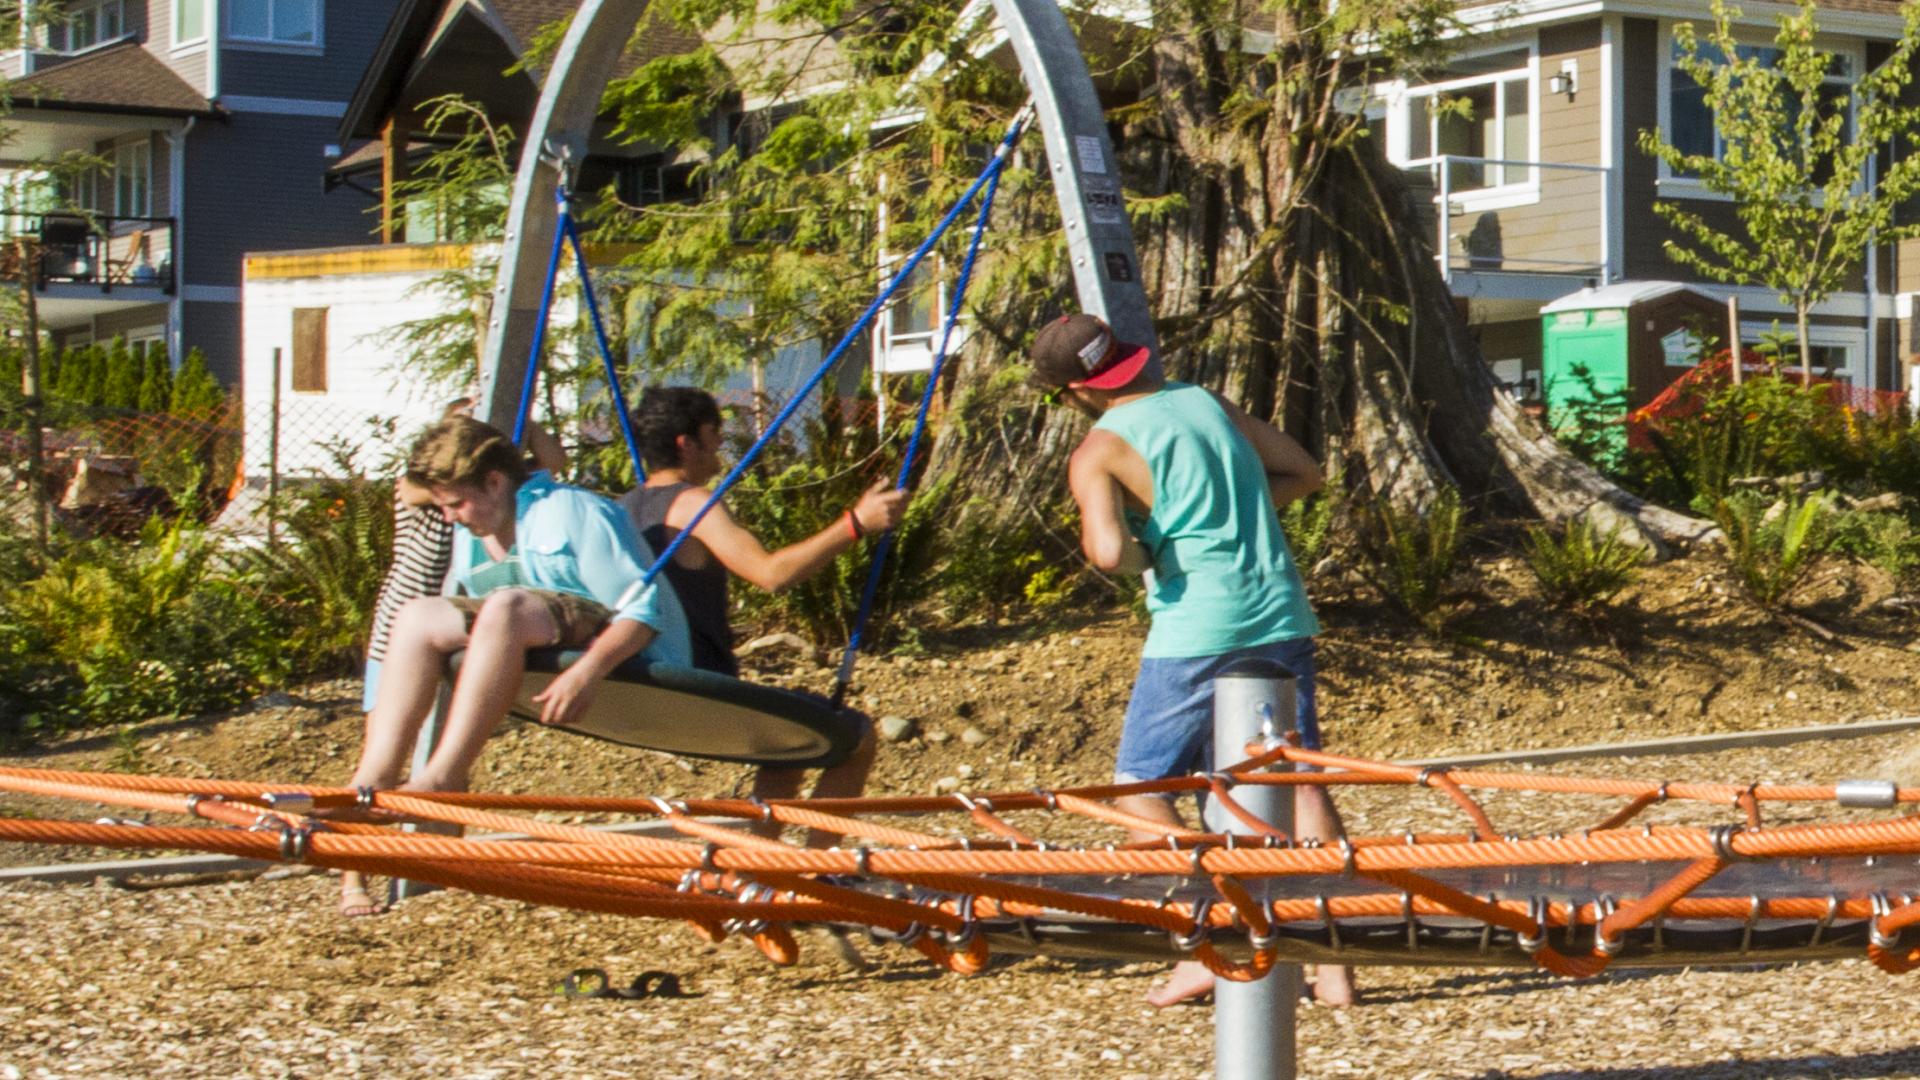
[
  {"x": 1581, "y": 569},
  {"x": 1412, "y": 555},
  {"x": 1774, "y": 557},
  {"x": 1308, "y": 524}
]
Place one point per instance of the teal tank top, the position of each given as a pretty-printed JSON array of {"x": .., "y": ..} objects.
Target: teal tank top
[{"x": 1222, "y": 576}]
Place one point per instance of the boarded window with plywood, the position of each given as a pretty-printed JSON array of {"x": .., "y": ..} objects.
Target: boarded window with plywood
[{"x": 310, "y": 350}]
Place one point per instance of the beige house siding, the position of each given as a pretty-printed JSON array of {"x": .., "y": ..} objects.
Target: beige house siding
[
  {"x": 1563, "y": 225},
  {"x": 133, "y": 320}
]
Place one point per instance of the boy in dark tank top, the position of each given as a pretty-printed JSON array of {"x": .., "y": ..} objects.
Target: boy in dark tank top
[{"x": 678, "y": 429}]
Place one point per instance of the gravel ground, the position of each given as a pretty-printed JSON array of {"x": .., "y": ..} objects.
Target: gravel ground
[
  {"x": 259, "y": 978},
  {"x": 256, "y": 979}
]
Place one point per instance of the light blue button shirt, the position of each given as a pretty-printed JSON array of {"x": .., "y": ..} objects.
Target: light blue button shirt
[{"x": 573, "y": 541}]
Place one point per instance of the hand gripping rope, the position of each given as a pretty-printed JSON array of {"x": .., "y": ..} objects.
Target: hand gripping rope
[
  {"x": 567, "y": 233},
  {"x": 987, "y": 179}
]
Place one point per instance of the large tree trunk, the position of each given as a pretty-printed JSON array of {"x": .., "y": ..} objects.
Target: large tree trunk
[{"x": 1296, "y": 279}]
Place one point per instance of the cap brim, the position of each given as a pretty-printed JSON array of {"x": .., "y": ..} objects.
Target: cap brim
[{"x": 1122, "y": 371}]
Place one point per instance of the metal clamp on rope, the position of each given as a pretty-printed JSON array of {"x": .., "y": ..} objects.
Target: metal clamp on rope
[
  {"x": 1538, "y": 910},
  {"x": 289, "y": 802},
  {"x": 1346, "y": 857},
  {"x": 1605, "y": 946},
  {"x": 1224, "y": 779},
  {"x": 748, "y": 895},
  {"x": 363, "y": 796},
  {"x": 1188, "y": 942},
  {"x": 1882, "y": 907},
  {"x": 1722, "y": 838},
  {"x": 760, "y": 804},
  {"x": 1426, "y": 775},
  {"x": 969, "y": 929},
  {"x": 914, "y": 932},
  {"x": 293, "y": 843},
  {"x": 707, "y": 852},
  {"x": 1195, "y": 854},
  {"x": 1325, "y": 909},
  {"x": 1867, "y": 794},
  {"x": 1047, "y": 798}
]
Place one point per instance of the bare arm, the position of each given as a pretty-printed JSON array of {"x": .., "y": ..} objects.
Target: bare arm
[
  {"x": 547, "y": 452},
  {"x": 1104, "y": 537},
  {"x": 411, "y": 493},
  {"x": 1291, "y": 471},
  {"x": 571, "y": 692},
  {"x": 743, "y": 555}
]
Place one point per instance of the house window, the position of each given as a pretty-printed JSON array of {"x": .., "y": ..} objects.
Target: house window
[
  {"x": 189, "y": 20},
  {"x": 1479, "y": 115},
  {"x": 310, "y": 350},
  {"x": 133, "y": 179},
  {"x": 281, "y": 22},
  {"x": 1690, "y": 125},
  {"x": 907, "y": 333},
  {"x": 91, "y": 24}
]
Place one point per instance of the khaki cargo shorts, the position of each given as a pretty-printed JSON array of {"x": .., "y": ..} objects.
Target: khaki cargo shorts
[{"x": 578, "y": 619}]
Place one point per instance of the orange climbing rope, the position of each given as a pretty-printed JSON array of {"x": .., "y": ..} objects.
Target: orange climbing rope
[{"x": 953, "y": 876}]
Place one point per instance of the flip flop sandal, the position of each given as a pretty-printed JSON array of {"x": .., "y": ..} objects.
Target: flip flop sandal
[{"x": 595, "y": 983}]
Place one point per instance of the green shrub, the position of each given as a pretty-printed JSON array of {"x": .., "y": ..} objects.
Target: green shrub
[
  {"x": 123, "y": 631},
  {"x": 1412, "y": 555},
  {"x": 156, "y": 381},
  {"x": 1308, "y": 524},
  {"x": 1774, "y": 557},
  {"x": 1888, "y": 542},
  {"x": 125, "y": 368},
  {"x": 1581, "y": 569},
  {"x": 196, "y": 393},
  {"x": 322, "y": 579}
]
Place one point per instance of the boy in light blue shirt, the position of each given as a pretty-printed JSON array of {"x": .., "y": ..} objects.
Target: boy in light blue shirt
[{"x": 544, "y": 565}]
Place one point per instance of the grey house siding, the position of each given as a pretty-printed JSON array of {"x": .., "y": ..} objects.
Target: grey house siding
[
  {"x": 214, "y": 329},
  {"x": 253, "y": 183},
  {"x": 350, "y": 30}
]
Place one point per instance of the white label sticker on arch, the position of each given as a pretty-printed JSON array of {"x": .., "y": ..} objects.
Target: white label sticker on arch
[{"x": 1092, "y": 158}]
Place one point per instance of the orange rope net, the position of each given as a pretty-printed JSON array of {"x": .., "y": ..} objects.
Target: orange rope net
[{"x": 980, "y": 875}]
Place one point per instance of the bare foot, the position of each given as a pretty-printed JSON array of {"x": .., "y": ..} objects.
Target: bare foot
[
  {"x": 1189, "y": 981},
  {"x": 1333, "y": 986},
  {"x": 355, "y": 901}
]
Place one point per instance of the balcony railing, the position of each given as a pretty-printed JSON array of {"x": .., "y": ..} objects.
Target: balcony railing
[
  {"x": 77, "y": 248},
  {"x": 1529, "y": 217}
]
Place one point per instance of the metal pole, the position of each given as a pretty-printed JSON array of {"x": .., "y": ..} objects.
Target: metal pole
[
  {"x": 1253, "y": 1023},
  {"x": 29, "y": 255},
  {"x": 273, "y": 457},
  {"x": 1733, "y": 338}
]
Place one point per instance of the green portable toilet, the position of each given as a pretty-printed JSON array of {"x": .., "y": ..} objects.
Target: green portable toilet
[{"x": 1622, "y": 343}]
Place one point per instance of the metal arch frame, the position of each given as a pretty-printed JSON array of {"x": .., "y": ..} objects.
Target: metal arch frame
[
  {"x": 1255, "y": 1021},
  {"x": 1106, "y": 268}
]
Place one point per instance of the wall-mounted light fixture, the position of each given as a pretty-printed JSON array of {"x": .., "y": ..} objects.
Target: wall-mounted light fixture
[{"x": 1566, "y": 80}]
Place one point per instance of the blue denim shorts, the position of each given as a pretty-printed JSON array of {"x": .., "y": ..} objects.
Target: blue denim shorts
[{"x": 1168, "y": 730}]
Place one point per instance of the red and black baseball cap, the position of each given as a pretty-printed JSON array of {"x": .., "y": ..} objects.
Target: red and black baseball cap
[{"x": 1080, "y": 350}]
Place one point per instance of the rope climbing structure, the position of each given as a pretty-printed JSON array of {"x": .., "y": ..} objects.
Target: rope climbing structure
[{"x": 960, "y": 876}]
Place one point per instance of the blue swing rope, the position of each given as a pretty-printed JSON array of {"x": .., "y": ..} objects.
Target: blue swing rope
[
  {"x": 900, "y": 276},
  {"x": 844, "y": 677},
  {"x": 568, "y": 231}
]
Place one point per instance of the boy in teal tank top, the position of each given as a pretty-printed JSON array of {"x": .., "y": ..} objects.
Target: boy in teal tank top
[{"x": 1177, "y": 484}]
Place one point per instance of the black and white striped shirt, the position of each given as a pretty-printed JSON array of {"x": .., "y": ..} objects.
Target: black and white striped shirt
[{"x": 422, "y": 551}]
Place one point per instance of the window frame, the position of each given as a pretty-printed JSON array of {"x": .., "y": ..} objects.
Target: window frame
[
  {"x": 94, "y": 8},
  {"x": 140, "y": 149},
  {"x": 1399, "y": 96},
  {"x": 271, "y": 43},
  {"x": 1852, "y": 341},
  {"x": 1671, "y": 185},
  {"x": 196, "y": 41}
]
